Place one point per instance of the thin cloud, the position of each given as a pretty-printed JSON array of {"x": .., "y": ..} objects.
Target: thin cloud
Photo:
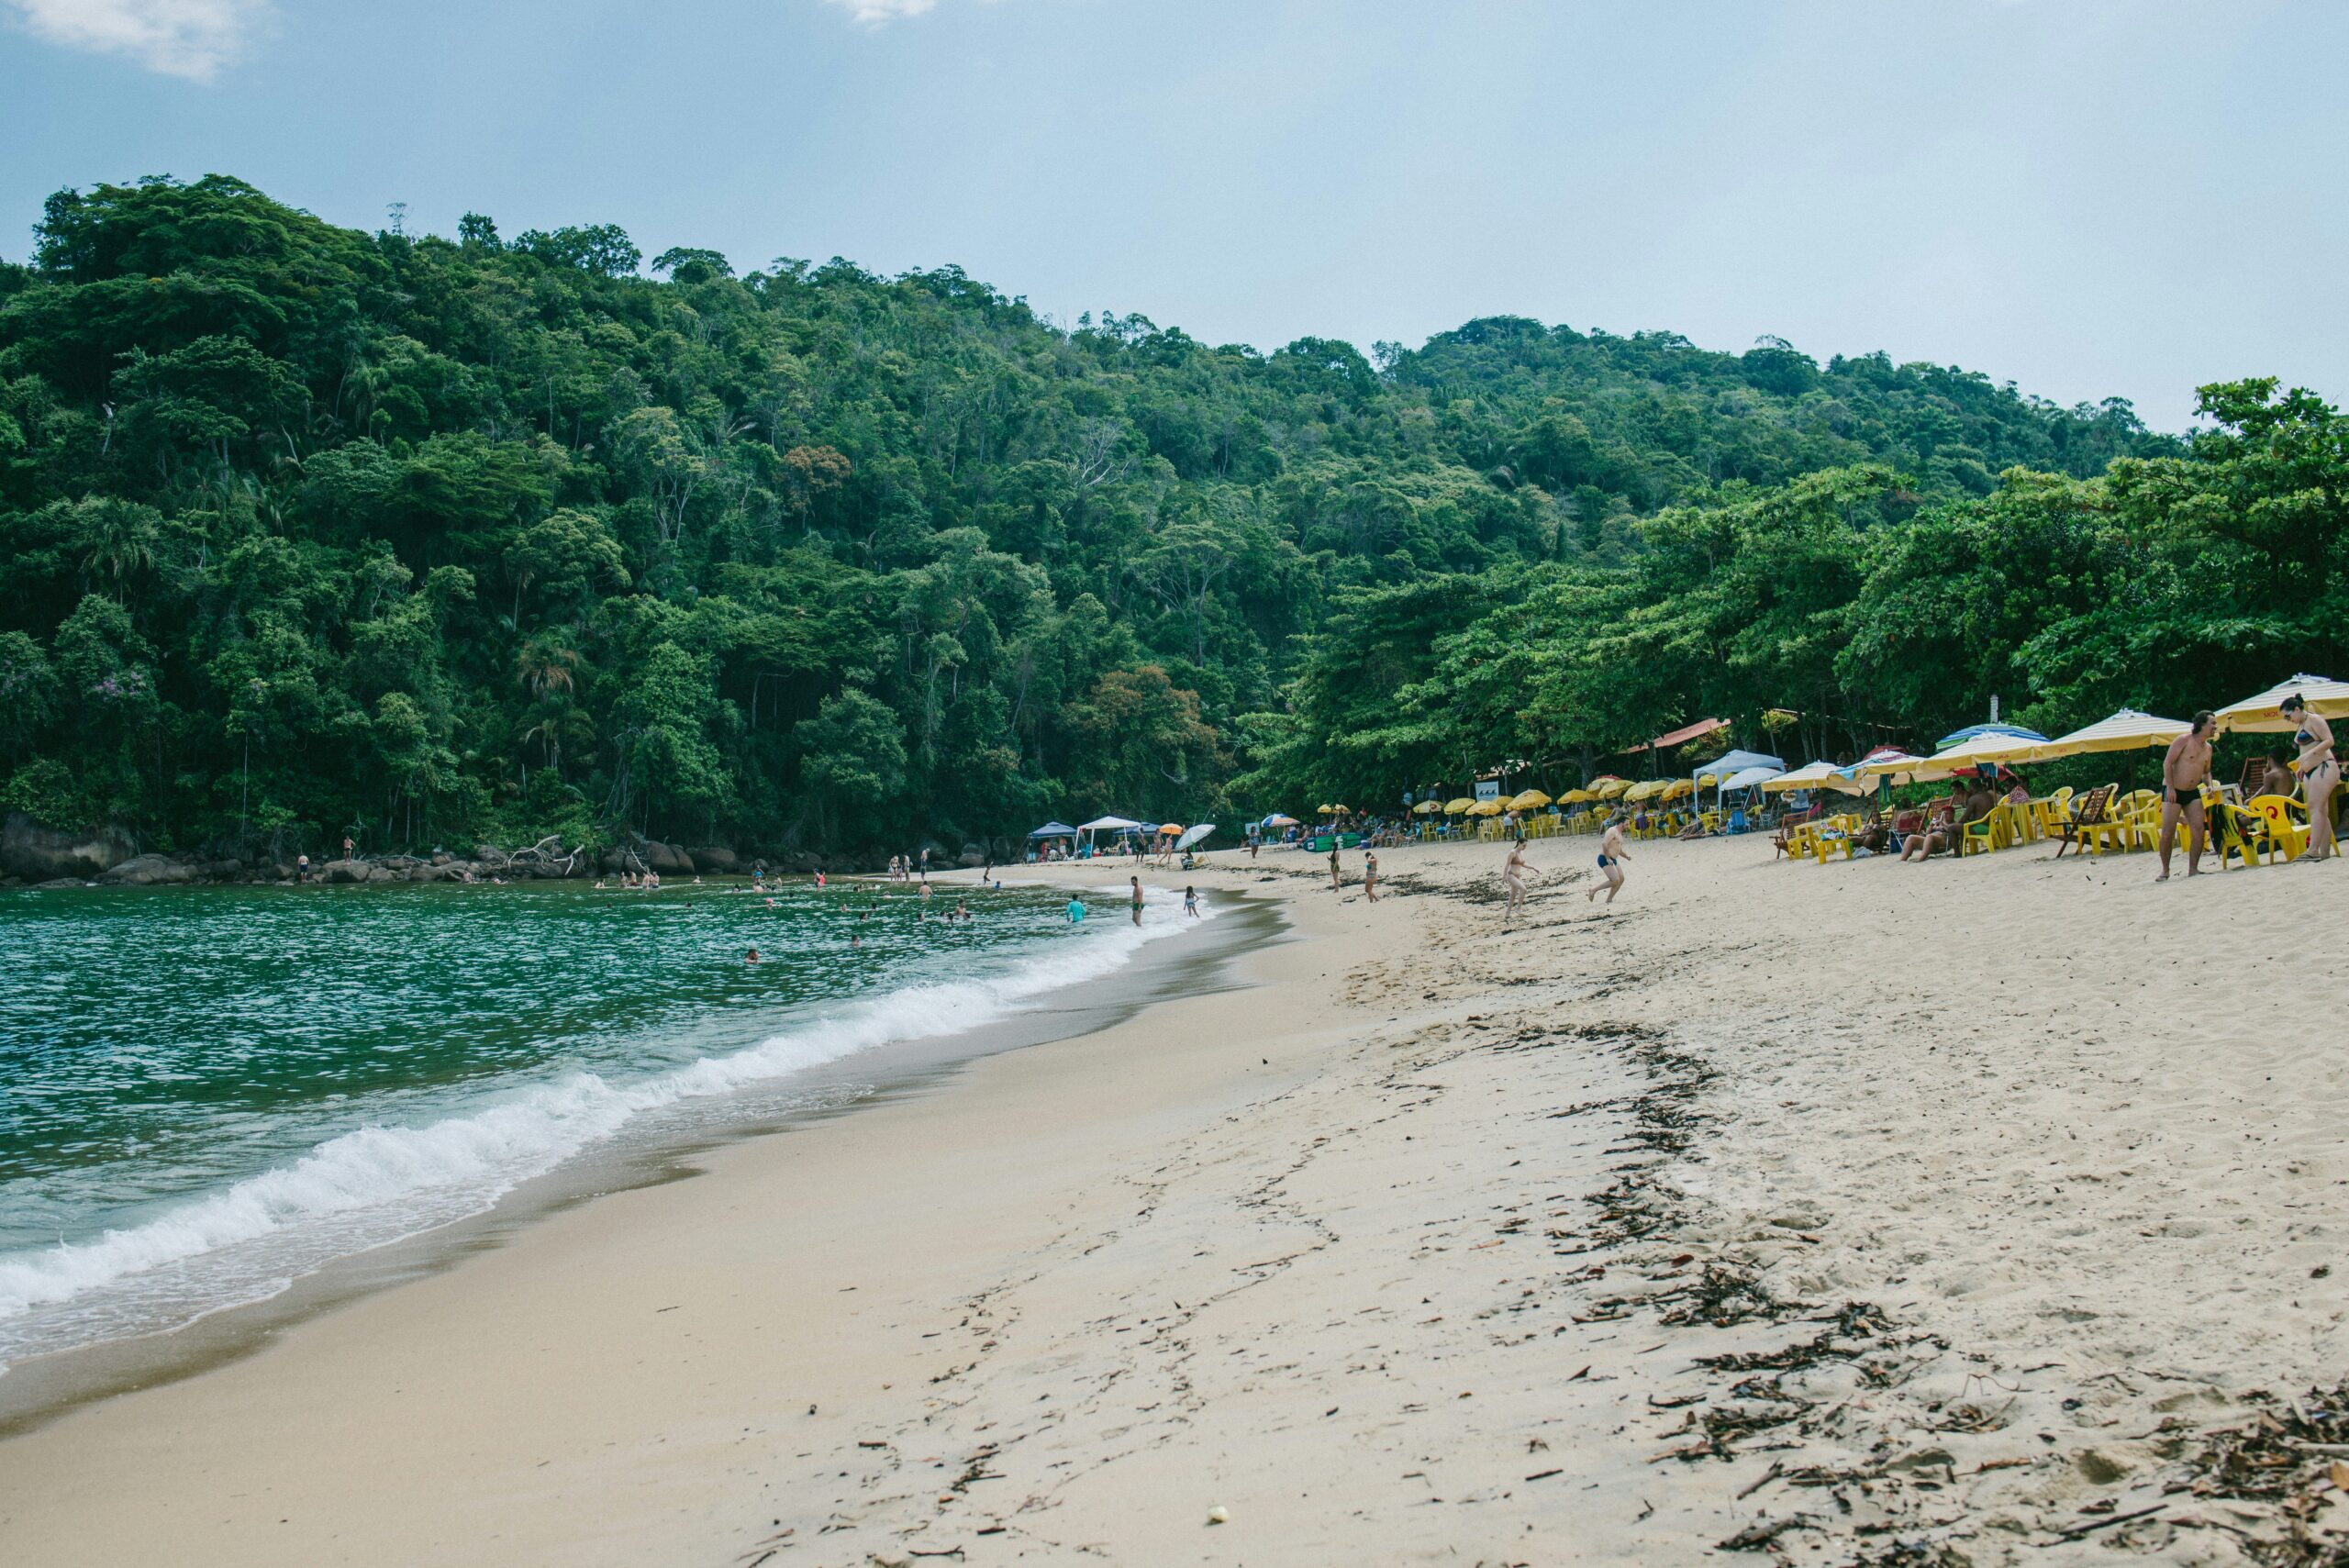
[
  {"x": 877, "y": 13},
  {"x": 192, "y": 39}
]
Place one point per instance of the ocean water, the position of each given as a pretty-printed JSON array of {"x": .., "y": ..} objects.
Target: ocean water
[{"x": 206, "y": 1093}]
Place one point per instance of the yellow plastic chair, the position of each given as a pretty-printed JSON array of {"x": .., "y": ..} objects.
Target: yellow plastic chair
[
  {"x": 2051, "y": 814},
  {"x": 2238, "y": 829},
  {"x": 2117, "y": 831},
  {"x": 2288, "y": 825}
]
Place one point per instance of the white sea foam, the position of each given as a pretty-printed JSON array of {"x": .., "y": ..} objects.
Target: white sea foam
[{"x": 379, "y": 1183}]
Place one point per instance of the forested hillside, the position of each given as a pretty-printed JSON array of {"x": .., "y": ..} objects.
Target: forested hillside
[{"x": 305, "y": 529}]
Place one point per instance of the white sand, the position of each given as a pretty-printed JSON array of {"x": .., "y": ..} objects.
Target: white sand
[{"x": 1334, "y": 1253}]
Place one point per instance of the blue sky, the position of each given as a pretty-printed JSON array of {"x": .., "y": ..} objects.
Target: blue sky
[{"x": 2089, "y": 198}]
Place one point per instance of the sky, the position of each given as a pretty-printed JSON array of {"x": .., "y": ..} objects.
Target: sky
[{"x": 2089, "y": 198}]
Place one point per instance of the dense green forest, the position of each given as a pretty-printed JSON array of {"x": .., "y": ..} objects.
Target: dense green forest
[{"x": 305, "y": 529}]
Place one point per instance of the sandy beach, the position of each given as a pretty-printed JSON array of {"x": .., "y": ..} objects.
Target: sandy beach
[{"x": 1861, "y": 1212}]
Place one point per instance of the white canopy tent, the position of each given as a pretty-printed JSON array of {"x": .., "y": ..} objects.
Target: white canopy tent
[
  {"x": 1731, "y": 766},
  {"x": 1107, "y": 825}
]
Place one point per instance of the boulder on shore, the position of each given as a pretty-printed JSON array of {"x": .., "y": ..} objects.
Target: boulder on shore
[
  {"x": 341, "y": 870},
  {"x": 666, "y": 858},
  {"x": 147, "y": 871},
  {"x": 32, "y": 851},
  {"x": 716, "y": 859}
]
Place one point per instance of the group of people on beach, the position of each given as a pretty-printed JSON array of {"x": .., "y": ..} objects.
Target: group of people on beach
[
  {"x": 1516, "y": 869},
  {"x": 2314, "y": 771},
  {"x": 2185, "y": 770}
]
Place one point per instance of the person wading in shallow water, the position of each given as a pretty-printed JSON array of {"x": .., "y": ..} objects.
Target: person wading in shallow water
[{"x": 1137, "y": 887}]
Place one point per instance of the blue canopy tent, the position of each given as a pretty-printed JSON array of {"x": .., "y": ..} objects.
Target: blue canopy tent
[{"x": 1054, "y": 830}]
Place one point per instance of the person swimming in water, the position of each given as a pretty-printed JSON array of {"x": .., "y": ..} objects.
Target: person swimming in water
[
  {"x": 1075, "y": 911},
  {"x": 753, "y": 957},
  {"x": 1137, "y": 892}
]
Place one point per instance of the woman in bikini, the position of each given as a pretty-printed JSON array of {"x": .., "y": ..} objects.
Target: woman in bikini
[{"x": 2320, "y": 774}]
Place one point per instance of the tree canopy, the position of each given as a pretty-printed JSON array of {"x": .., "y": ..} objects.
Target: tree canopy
[{"x": 305, "y": 529}]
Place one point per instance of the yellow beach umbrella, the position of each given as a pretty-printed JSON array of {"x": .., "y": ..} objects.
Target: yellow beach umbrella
[
  {"x": 1425, "y": 807},
  {"x": 2127, "y": 730},
  {"x": 1677, "y": 788},
  {"x": 2326, "y": 698},
  {"x": 1458, "y": 808},
  {"x": 1707, "y": 781},
  {"x": 1968, "y": 755},
  {"x": 1528, "y": 800},
  {"x": 1576, "y": 796},
  {"x": 1811, "y": 776},
  {"x": 1337, "y": 810},
  {"x": 1486, "y": 809},
  {"x": 1613, "y": 788}
]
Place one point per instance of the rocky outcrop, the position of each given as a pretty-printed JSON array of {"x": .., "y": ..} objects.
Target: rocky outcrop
[
  {"x": 666, "y": 858},
  {"x": 35, "y": 852},
  {"x": 147, "y": 870},
  {"x": 342, "y": 870},
  {"x": 714, "y": 859},
  {"x": 648, "y": 854}
]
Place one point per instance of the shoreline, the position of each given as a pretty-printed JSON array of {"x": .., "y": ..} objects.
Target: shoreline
[
  {"x": 1714, "y": 1218},
  {"x": 38, "y": 1388}
]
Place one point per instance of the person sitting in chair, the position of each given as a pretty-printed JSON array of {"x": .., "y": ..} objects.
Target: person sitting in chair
[{"x": 1941, "y": 825}]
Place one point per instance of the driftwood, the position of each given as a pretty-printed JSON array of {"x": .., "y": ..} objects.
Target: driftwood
[{"x": 547, "y": 857}]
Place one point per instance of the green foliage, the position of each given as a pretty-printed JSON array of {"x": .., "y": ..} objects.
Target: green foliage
[{"x": 302, "y": 528}]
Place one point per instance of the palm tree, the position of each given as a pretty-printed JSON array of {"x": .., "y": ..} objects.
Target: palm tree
[{"x": 547, "y": 665}]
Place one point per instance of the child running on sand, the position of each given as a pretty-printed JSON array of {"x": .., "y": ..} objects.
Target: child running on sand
[{"x": 1610, "y": 860}]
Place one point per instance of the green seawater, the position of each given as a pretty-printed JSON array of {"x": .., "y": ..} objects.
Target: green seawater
[{"x": 207, "y": 1092}]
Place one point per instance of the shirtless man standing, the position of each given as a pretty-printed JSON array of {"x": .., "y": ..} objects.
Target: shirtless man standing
[
  {"x": 1513, "y": 872},
  {"x": 1610, "y": 862},
  {"x": 2184, "y": 768}
]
